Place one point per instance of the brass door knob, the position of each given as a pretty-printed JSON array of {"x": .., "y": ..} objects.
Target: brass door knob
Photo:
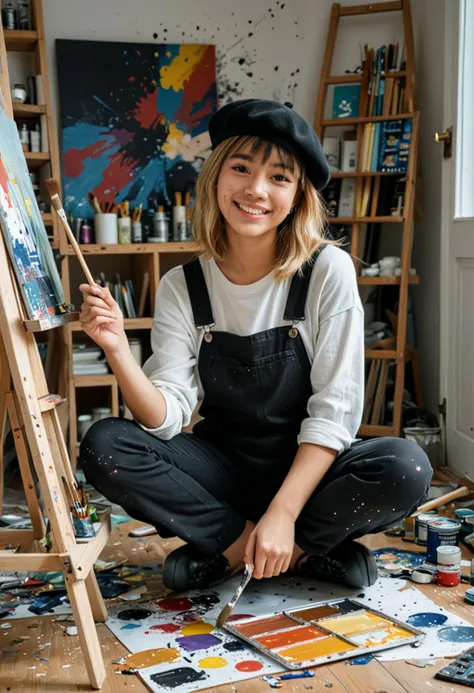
[{"x": 447, "y": 138}]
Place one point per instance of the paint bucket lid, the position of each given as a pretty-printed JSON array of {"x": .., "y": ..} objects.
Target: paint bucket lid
[
  {"x": 448, "y": 555},
  {"x": 426, "y": 517},
  {"x": 443, "y": 524}
]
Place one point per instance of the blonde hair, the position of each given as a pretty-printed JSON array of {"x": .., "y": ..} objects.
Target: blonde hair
[{"x": 299, "y": 236}]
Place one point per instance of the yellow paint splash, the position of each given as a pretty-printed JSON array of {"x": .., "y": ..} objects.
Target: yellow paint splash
[
  {"x": 177, "y": 73},
  {"x": 197, "y": 628},
  {"x": 148, "y": 658},
  {"x": 213, "y": 662}
]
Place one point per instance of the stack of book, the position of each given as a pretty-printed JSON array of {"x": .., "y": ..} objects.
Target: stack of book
[
  {"x": 88, "y": 359},
  {"x": 386, "y": 146}
]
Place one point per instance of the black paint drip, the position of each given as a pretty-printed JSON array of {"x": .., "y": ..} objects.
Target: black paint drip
[{"x": 134, "y": 614}]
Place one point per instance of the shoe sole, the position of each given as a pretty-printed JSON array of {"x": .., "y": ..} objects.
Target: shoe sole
[{"x": 171, "y": 575}]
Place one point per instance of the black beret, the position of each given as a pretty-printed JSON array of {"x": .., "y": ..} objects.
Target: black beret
[{"x": 273, "y": 122}]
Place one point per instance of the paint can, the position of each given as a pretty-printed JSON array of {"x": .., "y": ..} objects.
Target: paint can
[
  {"x": 421, "y": 527},
  {"x": 409, "y": 527},
  {"x": 449, "y": 566},
  {"x": 441, "y": 532}
]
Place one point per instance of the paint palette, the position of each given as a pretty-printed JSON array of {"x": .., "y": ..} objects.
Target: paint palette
[
  {"x": 323, "y": 632},
  {"x": 460, "y": 671}
]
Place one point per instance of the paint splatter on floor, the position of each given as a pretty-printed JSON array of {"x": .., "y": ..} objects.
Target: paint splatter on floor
[
  {"x": 457, "y": 634},
  {"x": 426, "y": 620},
  {"x": 134, "y": 614}
]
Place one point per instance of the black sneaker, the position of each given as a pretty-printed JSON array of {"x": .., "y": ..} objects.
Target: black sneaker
[
  {"x": 185, "y": 569},
  {"x": 350, "y": 563}
]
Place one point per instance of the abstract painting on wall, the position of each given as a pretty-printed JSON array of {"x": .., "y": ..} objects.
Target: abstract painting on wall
[
  {"x": 134, "y": 119},
  {"x": 24, "y": 232}
]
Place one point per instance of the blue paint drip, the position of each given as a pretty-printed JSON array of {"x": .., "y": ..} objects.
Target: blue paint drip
[
  {"x": 457, "y": 634},
  {"x": 357, "y": 661},
  {"x": 130, "y": 626},
  {"x": 427, "y": 620}
]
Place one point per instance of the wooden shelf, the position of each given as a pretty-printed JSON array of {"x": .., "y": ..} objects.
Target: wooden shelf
[
  {"x": 18, "y": 40},
  {"x": 27, "y": 110},
  {"x": 380, "y": 354},
  {"x": 357, "y": 79},
  {"x": 94, "y": 380},
  {"x": 334, "y": 122},
  {"x": 383, "y": 281},
  {"x": 364, "y": 174},
  {"x": 36, "y": 159},
  {"x": 355, "y": 10},
  {"x": 129, "y": 324},
  {"x": 365, "y": 220},
  {"x": 137, "y": 248},
  {"x": 372, "y": 431},
  {"x": 47, "y": 218}
]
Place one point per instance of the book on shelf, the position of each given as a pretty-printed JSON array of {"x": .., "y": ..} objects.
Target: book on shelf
[
  {"x": 88, "y": 359},
  {"x": 383, "y": 93},
  {"x": 385, "y": 146},
  {"x": 124, "y": 294},
  {"x": 346, "y": 100}
]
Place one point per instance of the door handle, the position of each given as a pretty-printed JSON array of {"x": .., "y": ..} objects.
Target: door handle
[{"x": 447, "y": 138}]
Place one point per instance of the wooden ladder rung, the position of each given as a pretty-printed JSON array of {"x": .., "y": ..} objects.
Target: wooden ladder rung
[
  {"x": 48, "y": 402},
  {"x": 370, "y": 8}
]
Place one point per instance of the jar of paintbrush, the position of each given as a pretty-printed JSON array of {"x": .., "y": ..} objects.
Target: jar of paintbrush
[{"x": 124, "y": 223}]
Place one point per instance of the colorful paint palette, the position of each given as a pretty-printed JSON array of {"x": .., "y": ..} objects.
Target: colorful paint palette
[{"x": 319, "y": 633}]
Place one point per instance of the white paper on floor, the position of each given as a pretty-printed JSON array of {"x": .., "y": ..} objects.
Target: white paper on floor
[{"x": 209, "y": 659}]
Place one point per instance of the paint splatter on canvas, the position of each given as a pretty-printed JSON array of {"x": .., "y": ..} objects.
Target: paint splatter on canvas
[
  {"x": 23, "y": 229},
  {"x": 134, "y": 119}
]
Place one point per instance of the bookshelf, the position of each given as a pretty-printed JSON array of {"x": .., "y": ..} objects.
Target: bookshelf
[
  {"x": 384, "y": 101},
  {"x": 44, "y": 163},
  {"x": 154, "y": 258}
]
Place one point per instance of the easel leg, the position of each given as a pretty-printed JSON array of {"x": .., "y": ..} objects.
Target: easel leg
[
  {"x": 99, "y": 610},
  {"x": 90, "y": 645},
  {"x": 5, "y": 386}
]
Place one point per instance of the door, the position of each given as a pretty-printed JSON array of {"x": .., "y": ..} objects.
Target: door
[{"x": 457, "y": 239}]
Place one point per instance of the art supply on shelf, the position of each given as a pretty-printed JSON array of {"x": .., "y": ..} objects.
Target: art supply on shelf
[
  {"x": 136, "y": 349},
  {"x": 449, "y": 566},
  {"x": 53, "y": 192},
  {"x": 85, "y": 234},
  {"x": 35, "y": 138},
  {"x": 137, "y": 232},
  {"x": 124, "y": 223},
  {"x": 99, "y": 413},
  {"x": 442, "y": 531},
  {"x": 179, "y": 218},
  {"x": 227, "y": 610},
  {"x": 421, "y": 527},
  {"x": 19, "y": 93},
  {"x": 160, "y": 227},
  {"x": 105, "y": 225},
  {"x": 460, "y": 671},
  {"x": 84, "y": 422},
  {"x": 9, "y": 17},
  {"x": 323, "y": 632}
]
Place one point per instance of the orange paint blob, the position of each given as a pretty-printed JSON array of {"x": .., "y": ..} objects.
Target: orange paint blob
[
  {"x": 318, "y": 648},
  {"x": 290, "y": 637},
  {"x": 147, "y": 658}
]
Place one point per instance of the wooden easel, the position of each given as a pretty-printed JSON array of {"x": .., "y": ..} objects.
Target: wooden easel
[{"x": 39, "y": 439}]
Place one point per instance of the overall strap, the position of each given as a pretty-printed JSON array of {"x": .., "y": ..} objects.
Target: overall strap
[
  {"x": 198, "y": 293},
  {"x": 295, "y": 305}
]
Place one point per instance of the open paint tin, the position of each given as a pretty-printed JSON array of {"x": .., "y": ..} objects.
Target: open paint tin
[
  {"x": 442, "y": 531},
  {"x": 323, "y": 632},
  {"x": 421, "y": 527}
]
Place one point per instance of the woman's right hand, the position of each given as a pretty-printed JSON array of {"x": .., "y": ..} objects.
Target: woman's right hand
[{"x": 101, "y": 318}]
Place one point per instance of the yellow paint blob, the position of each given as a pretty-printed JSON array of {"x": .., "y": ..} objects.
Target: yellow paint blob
[
  {"x": 381, "y": 636},
  {"x": 178, "y": 72},
  {"x": 147, "y": 658},
  {"x": 198, "y": 628},
  {"x": 312, "y": 650},
  {"x": 213, "y": 662}
]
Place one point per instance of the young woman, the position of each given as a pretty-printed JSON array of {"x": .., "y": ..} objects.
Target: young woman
[{"x": 265, "y": 328}]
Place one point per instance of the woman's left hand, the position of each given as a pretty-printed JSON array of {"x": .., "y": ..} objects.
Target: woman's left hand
[{"x": 270, "y": 546}]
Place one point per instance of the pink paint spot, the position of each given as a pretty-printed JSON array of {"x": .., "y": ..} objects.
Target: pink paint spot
[
  {"x": 166, "y": 627},
  {"x": 249, "y": 665},
  {"x": 175, "y": 604},
  {"x": 239, "y": 617}
]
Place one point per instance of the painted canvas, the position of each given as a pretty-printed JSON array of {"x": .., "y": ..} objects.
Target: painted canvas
[
  {"x": 23, "y": 230},
  {"x": 134, "y": 120},
  {"x": 174, "y": 643}
]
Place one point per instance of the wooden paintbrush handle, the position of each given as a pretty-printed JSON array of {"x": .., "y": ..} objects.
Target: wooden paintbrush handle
[
  {"x": 75, "y": 247},
  {"x": 442, "y": 500}
]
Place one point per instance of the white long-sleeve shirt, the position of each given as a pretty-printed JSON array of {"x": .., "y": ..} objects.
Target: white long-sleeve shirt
[{"x": 332, "y": 333}]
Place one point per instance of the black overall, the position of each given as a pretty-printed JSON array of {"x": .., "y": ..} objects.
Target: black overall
[{"x": 203, "y": 486}]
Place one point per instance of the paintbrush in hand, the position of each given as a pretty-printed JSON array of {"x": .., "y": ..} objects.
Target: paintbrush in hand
[
  {"x": 227, "y": 610},
  {"x": 53, "y": 192}
]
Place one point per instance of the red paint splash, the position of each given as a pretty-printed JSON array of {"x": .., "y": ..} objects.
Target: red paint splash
[
  {"x": 175, "y": 604},
  {"x": 239, "y": 617},
  {"x": 195, "y": 90},
  {"x": 166, "y": 627},
  {"x": 74, "y": 158},
  {"x": 249, "y": 665},
  {"x": 147, "y": 113}
]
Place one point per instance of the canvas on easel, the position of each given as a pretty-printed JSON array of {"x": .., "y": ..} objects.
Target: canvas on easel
[{"x": 35, "y": 424}]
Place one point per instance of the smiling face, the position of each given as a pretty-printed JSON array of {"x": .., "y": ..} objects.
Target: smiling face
[{"x": 256, "y": 190}]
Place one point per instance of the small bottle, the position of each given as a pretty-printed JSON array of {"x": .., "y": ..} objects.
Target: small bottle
[
  {"x": 160, "y": 227},
  {"x": 24, "y": 137},
  {"x": 35, "y": 139},
  {"x": 23, "y": 16},
  {"x": 19, "y": 93},
  {"x": 179, "y": 218},
  {"x": 86, "y": 234},
  {"x": 9, "y": 16}
]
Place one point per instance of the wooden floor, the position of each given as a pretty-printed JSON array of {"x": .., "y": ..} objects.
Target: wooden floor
[{"x": 64, "y": 669}]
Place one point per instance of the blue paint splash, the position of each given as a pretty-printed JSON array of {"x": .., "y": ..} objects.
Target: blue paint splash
[
  {"x": 426, "y": 620},
  {"x": 130, "y": 626},
  {"x": 457, "y": 634},
  {"x": 358, "y": 661}
]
